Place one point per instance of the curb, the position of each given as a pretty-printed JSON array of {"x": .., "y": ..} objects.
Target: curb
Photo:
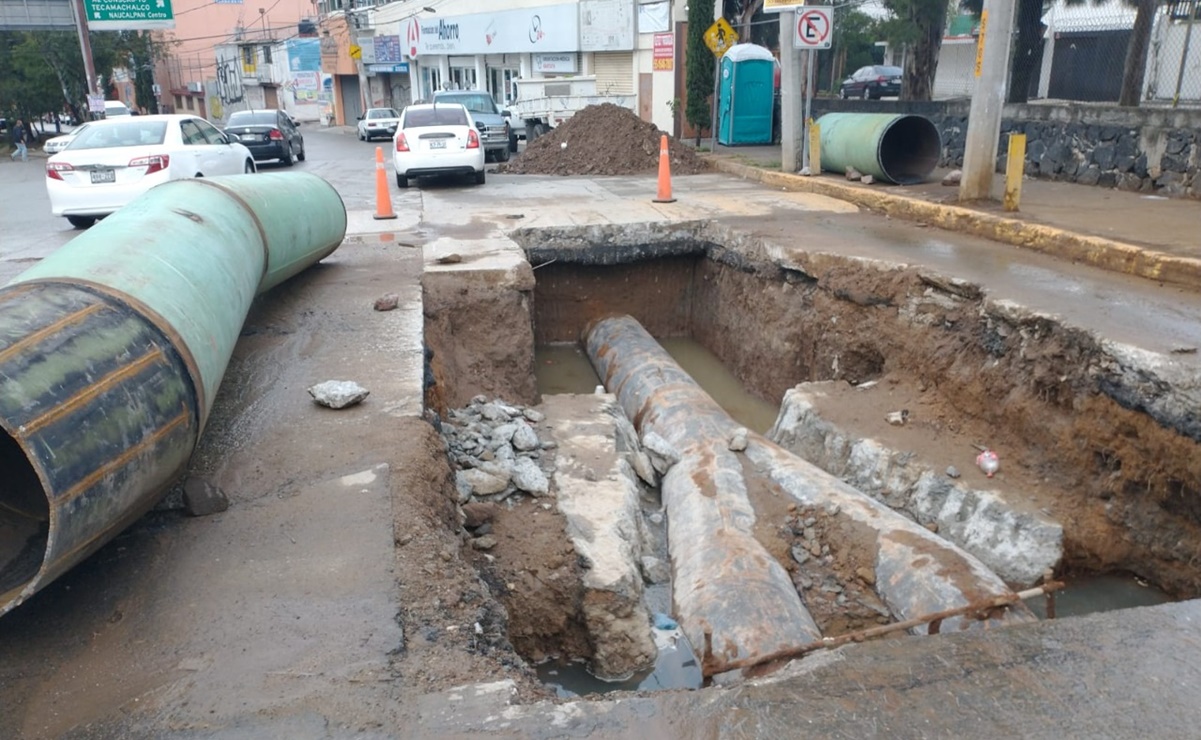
[{"x": 1097, "y": 251}]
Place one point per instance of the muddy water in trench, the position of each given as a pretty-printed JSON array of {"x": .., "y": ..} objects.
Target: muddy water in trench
[{"x": 564, "y": 368}]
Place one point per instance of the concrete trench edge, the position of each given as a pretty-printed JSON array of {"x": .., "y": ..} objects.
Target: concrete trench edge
[{"x": 1106, "y": 254}]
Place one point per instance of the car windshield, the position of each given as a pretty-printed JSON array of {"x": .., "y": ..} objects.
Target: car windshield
[
  {"x": 447, "y": 115},
  {"x": 251, "y": 118},
  {"x": 480, "y": 103},
  {"x": 382, "y": 113},
  {"x": 124, "y": 133}
]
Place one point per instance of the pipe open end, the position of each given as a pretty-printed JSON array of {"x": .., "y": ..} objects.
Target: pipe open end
[
  {"x": 24, "y": 520},
  {"x": 909, "y": 150}
]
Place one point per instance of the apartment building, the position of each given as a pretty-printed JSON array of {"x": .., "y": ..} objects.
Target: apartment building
[{"x": 241, "y": 33}]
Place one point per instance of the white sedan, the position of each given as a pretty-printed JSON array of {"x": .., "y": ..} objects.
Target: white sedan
[
  {"x": 379, "y": 122},
  {"x": 59, "y": 143},
  {"x": 114, "y": 161},
  {"x": 437, "y": 139}
]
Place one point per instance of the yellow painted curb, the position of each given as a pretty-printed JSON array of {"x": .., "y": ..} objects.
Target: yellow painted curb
[{"x": 1106, "y": 254}]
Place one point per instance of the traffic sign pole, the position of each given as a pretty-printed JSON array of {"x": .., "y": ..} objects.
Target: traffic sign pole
[
  {"x": 811, "y": 29},
  {"x": 85, "y": 45},
  {"x": 792, "y": 108}
]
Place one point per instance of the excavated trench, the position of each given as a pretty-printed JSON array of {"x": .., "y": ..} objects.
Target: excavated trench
[{"x": 1098, "y": 442}]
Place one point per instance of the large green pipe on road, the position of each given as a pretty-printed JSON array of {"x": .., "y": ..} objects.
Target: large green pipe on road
[
  {"x": 112, "y": 349},
  {"x": 903, "y": 149}
]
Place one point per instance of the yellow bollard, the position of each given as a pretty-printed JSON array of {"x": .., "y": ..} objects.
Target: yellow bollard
[
  {"x": 815, "y": 148},
  {"x": 1015, "y": 167}
]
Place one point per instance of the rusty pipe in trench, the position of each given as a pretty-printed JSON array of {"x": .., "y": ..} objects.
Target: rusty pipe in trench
[
  {"x": 725, "y": 583},
  {"x": 112, "y": 349}
]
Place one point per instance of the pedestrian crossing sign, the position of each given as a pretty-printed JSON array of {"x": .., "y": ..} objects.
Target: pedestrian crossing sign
[{"x": 720, "y": 36}]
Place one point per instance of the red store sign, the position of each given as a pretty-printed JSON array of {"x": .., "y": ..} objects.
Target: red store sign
[{"x": 664, "y": 52}]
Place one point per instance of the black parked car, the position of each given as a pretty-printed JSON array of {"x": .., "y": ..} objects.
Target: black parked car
[
  {"x": 268, "y": 134},
  {"x": 876, "y": 81}
]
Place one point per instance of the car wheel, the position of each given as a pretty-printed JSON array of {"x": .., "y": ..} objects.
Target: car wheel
[
  {"x": 287, "y": 158},
  {"x": 867, "y": 95},
  {"x": 489, "y": 156},
  {"x": 402, "y": 182},
  {"x": 480, "y": 177},
  {"x": 539, "y": 130},
  {"x": 513, "y": 143},
  {"x": 502, "y": 155},
  {"x": 300, "y": 157},
  {"x": 81, "y": 222},
  {"x": 249, "y": 169},
  {"x": 361, "y": 137}
]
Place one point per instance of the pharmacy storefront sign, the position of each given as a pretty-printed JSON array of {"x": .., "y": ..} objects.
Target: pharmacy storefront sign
[{"x": 549, "y": 28}]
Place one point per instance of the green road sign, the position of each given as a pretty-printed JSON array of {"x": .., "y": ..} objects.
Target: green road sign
[{"x": 128, "y": 15}]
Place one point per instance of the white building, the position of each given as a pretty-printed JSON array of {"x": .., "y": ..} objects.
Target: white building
[{"x": 450, "y": 44}]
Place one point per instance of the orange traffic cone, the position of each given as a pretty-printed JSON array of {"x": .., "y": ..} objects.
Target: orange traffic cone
[
  {"x": 664, "y": 173},
  {"x": 383, "y": 198}
]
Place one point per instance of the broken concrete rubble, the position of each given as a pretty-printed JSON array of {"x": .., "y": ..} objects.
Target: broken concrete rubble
[
  {"x": 597, "y": 490},
  {"x": 604, "y": 525}
]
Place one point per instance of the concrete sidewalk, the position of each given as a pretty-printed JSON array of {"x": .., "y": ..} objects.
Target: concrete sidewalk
[{"x": 1145, "y": 235}]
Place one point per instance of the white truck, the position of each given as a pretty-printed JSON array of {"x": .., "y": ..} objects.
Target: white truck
[{"x": 544, "y": 104}]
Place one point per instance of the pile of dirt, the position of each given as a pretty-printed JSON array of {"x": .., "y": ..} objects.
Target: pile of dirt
[{"x": 602, "y": 139}]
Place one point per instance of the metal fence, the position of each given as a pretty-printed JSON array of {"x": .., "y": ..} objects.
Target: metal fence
[{"x": 1078, "y": 53}]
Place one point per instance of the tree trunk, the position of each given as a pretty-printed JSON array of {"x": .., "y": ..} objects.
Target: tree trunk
[
  {"x": 1136, "y": 54},
  {"x": 1029, "y": 39},
  {"x": 922, "y": 61}
]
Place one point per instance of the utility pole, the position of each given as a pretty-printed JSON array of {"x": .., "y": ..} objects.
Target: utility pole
[
  {"x": 792, "y": 96},
  {"x": 85, "y": 46},
  {"x": 984, "y": 118}
]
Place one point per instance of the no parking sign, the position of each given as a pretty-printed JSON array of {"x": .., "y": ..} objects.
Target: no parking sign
[{"x": 814, "y": 28}]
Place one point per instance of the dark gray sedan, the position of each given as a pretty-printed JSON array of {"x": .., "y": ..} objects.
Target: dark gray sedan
[{"x": 268, "y": 134}]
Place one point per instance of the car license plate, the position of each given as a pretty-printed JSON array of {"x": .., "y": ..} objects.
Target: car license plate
[
  {"x": 102, "y": 176},
  {"x": 438, "y": 144}
]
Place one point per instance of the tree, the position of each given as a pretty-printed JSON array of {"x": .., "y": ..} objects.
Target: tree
[
  {"x": 919, "y": 25},
  {"x": 1136, "y": 53},
  {"x": 1025, "y": 49},
  {"x": 699, "y": 69},
  {"x": 855, "y": 36},
  {"x": 28, "y": 88}
]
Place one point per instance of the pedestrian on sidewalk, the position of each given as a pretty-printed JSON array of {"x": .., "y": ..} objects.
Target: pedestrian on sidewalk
[{"x": 21, "y": 140}]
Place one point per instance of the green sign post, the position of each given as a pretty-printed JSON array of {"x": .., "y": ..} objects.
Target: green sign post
[{"x": 129, "y": 15}]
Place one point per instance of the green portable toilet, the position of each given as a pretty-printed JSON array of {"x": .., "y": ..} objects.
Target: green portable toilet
[{"x": 746, "y": 95}]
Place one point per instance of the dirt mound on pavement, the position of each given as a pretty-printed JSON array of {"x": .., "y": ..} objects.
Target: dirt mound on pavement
[{"x": 602, "y": 139}]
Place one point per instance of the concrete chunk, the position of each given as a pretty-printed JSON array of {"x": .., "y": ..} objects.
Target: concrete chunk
[
  {"x": 603, "y": 523},
  {"x": 1017, "y": 545}
]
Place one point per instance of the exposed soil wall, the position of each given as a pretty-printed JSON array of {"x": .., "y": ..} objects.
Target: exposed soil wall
[
  {"x": 658, "y": 294},
  {"x": 479, "y": 329}
]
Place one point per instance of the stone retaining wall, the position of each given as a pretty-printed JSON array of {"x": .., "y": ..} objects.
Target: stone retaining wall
[{"x": 1146, "y": 150}]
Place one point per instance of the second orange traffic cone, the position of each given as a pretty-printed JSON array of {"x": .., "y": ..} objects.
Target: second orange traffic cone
[
  {"x": 664, "y": 172},
  {"x": 383, "y": 198}
]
